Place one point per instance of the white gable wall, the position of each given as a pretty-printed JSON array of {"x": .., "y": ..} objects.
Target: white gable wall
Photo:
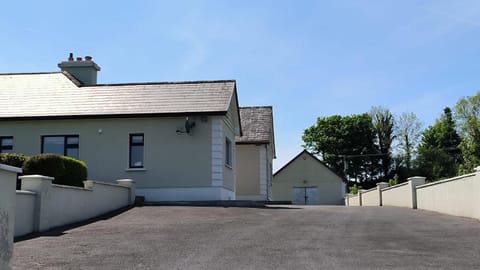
[{"x": 306, "y": 171}]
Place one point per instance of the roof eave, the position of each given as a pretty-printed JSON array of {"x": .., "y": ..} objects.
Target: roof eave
[
  {"x": 104, "y": 116},
  {"x": 253, "y": 142}
]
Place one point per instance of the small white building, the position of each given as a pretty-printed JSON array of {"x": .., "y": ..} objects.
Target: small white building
[
  {"x": 306, "y": 180},
  {"x": 255, "y": 151}
]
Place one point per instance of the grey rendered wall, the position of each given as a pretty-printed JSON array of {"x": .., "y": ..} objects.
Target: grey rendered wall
[{"x": 171, "y": 160}]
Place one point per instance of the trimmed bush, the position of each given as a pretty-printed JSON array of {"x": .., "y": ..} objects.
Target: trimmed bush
[
  {"x": 66, "y": 171},
  {"x": 11, "y": 159},
  {"x": 75, "y": 172}
]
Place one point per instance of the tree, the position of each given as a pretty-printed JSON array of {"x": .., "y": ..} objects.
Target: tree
[
  {"x": 439, "y": 153},
  {"x": 467, "y": 112},
  {"x": 408, "y": 134},
  {"x": 383, "y": 123},
  {"x": 345, "y": 144}
]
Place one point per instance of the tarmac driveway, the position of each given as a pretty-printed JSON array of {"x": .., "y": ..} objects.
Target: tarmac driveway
[{"x": 313, "y": 237}]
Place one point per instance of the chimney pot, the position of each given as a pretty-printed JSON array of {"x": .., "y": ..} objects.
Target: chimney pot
[{"x": 84, "y": 71}]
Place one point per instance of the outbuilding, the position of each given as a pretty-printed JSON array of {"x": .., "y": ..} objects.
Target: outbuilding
[
  {"x": 255, "y": 150},
  {"x": 307, "y": 180}
]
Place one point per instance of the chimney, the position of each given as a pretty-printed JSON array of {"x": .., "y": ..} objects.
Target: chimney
[{"x": 83, "y": 70}]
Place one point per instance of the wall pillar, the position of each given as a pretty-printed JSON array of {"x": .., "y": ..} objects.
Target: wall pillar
[
  {"x": 381, "y": 186},
  {"x": 8, "y": 182},
  {"x": 131, "y": 185},
  {"x": 360, "y": 191},
  {"x": 42, "y": 185},
  {"x": 413, "y": 182},
  {"x": 88, "y": 184}
]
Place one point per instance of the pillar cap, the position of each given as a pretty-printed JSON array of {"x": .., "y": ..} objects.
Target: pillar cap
[{"x": 37, "y": 176}]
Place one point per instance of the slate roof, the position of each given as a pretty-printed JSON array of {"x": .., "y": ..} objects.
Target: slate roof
[
  {"x": 257, "y": 125},
  {"x": 60, "y": 95}
]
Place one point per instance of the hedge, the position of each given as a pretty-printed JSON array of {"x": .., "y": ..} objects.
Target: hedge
[
  {"x": 66, "y": 170},
  {"x": 15, "y": 160}
]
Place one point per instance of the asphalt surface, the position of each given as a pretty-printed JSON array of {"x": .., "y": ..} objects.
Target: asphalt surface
[{"x": 314, "y": 237}]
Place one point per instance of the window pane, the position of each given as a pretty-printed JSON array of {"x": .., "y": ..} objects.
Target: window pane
[
  {"x": 72, "y": 140},
  {"x": 136, "y": 156},
  {"x": 7, "y": 142},
  {"x": 228, "y": 152},
  {"x": 137, "y": 139},
  {"x": 54, "y": 145},
  {"x": 72, "y": 152}
]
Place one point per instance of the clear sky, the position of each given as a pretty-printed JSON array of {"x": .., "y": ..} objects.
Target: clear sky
[{"x": 305, "y": 58}]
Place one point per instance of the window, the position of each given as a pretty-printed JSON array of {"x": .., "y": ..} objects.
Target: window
[
  {"x": 6, "y": 144},
  {"x": 228, "y": 152},
  {"x": 62, "y": 145},
  {"x": 136, "y": 151}
]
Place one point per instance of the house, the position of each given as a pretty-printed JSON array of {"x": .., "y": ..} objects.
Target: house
[
  {"x": 175, "y": 139},
  {"x": 255, "y": 152},
  {"x": 306, "y": 180}
]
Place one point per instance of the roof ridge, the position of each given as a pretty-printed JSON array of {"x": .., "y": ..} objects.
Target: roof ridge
[
  {"x": 31, "y": 73},
  {"x": 157, "y": 83},
  {"x": 257, "y": 107}
]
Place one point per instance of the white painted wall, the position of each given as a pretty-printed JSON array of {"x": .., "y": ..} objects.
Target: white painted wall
[
  {"x": 353, "y": 200},
  {"x": 73, "y": 204},
  {"x": 25, "y": 212},
  {"x": 56, "y": 205},
  {"x": 398, "y": 195},
  {"x": 8, "y": 176},
  {"x": 371, "y": 197},
  {"x": 458, "y": 196}
]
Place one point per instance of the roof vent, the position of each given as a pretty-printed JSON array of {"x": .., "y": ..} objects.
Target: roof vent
[{"x": 83, "y": 70}]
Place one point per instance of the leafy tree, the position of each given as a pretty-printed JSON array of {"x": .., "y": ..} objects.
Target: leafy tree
[
  {"x": 467, "y": 112},
  {"x": 383, "y": 124},
  {"x": 408, "y": 134},
  {"x": 346, "y": 144},
  {"x": 439, "y": 153}
]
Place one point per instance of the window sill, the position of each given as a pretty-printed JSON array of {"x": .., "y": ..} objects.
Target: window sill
[{"x": 135, "y": 169}]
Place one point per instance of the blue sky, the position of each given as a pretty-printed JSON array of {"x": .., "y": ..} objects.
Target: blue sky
[{"x": 305, "y": 58}]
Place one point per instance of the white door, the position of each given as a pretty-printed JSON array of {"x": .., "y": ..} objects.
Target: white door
[{"x": 305, "y": 195}]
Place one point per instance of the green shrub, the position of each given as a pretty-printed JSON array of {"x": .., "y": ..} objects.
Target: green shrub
[
  {"x": 75, "y": 172},
  {"x": 45, "y": 164},
  {"x": 354, "y": 189},
  {"x": 66, "y": 170},
  {"x": 394, "y": 181},
  {"x": 11, "y": 159}
]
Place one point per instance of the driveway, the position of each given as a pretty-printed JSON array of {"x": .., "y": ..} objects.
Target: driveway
[{"x": 307, "y": 237}]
